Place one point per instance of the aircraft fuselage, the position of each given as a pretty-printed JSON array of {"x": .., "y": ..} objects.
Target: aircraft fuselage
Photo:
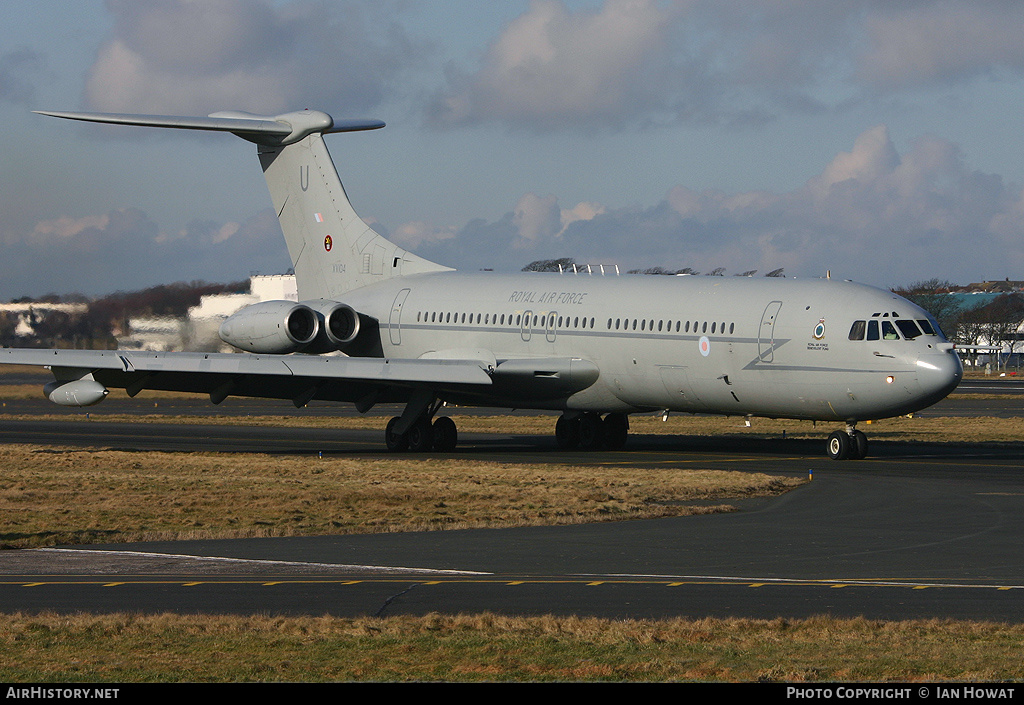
[{"x": 764, "y": 347}]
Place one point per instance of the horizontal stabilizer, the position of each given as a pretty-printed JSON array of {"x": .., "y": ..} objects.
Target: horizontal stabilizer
[{"x": 262, "y": 129}]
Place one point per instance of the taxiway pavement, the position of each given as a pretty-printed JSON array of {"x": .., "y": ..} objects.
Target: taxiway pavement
[{"x": 914, "y": 531}]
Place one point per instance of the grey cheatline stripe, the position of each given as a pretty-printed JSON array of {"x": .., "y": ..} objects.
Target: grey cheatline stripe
[{"x": 224, "y": 559}]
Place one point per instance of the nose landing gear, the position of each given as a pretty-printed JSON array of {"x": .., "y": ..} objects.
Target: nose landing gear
[{"x": 849, "y": 444}]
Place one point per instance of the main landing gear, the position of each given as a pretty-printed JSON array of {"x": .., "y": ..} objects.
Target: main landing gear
[
  {"x": 441, "y": 436},
  {"x": 418, "y": 431},
  {"x": 590, "y": 432},
  {"x": 849, "y": 444}
]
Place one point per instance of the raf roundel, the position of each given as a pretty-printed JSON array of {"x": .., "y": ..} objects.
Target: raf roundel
[
  {"x": 705, "y": 346},
  {"x": 328, "y": 243}
]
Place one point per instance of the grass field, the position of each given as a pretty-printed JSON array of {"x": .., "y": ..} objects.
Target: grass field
[
  {"x": 493, "y": 648},
  {"x": 66, "y": 495}
]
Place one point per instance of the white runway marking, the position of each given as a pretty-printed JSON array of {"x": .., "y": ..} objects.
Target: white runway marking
[{"x": 250, "y": 561}]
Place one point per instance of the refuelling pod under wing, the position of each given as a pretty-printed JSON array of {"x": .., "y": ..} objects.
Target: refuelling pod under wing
[
  {"x": 76, "y": 392},
  {"x": 543, "y": 378},
  {"x": 272, "y": 327}
]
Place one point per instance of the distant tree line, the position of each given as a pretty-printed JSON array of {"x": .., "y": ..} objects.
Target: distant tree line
[{"x": 566, "y": 264}]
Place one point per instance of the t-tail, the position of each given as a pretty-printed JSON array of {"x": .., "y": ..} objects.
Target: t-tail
[{"x": 332, "y": 250}]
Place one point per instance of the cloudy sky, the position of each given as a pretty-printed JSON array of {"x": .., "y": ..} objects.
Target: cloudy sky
[{"x": 878, "y": 139}]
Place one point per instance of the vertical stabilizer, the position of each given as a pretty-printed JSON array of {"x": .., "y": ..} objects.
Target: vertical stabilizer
[{"x": 332, "y": 250}]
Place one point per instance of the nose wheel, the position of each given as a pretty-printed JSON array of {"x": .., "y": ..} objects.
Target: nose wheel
[{"x": 849, "y": 444}]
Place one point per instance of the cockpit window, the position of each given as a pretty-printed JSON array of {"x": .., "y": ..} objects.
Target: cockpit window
[
  {"x": 873, "y": 330},
  {"x": 895, "y": 329},
  {"x": 908, "y": 328}
]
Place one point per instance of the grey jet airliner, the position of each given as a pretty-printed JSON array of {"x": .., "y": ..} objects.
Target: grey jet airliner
[{"x": 402, "y": 329}]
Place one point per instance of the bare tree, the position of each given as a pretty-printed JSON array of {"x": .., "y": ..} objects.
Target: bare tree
[
  {"x": 549, "y": 265},
  {"x": 933, "y": 295}
]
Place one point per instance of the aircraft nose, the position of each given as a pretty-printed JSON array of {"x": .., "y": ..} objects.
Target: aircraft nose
[{"x": 938, "y": 374}]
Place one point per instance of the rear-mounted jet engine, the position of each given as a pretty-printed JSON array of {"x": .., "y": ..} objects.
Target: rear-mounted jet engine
[{"x": 271, "y": 327}]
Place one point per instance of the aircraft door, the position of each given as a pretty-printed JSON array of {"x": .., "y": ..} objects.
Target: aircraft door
[
  {"x": 395, "y": 321},
  {"x": 766, "y": 333},
  {"x": 549, "y": 329},
  {"x": 526, "y": 330}
]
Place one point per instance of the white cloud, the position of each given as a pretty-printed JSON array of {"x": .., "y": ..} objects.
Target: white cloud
[
  {"x": 69, "y": 227},
  {"x": 540, "y": 219},
  {"x": 627, "y": 63},
  {"x": 872, "y": 214},
  {"x": 537, "y": 218},
  {"x": 873, "y": 155},
  {"x": 124, "y": 249},
  {"x": 580, "y": 212},
  {"x": 551, "y": 66},
  {"x": 417, "y": 233},
  {"x": 942, "y": 42},
  {"x": 194, "y": 57}
]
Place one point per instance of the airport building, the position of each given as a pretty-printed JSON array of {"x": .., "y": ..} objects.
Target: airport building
[{"x": 198, "y": 330}]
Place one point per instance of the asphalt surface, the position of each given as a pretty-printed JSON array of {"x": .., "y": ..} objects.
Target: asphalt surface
[{"x": 913, "y": 531}]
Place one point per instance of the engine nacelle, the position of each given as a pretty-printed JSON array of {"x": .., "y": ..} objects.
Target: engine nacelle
[
  {"x": 79, "y": 392},
  {"x": 339, "y": 325},
  {"x": 271, "y": 327}
]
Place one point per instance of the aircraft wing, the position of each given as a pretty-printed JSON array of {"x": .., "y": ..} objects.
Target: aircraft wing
[{"x": 299, "y": 378}]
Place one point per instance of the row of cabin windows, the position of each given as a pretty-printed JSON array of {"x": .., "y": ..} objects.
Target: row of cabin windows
[
  {"x": 887, "y": 329},
  {"x": 666, "y": 326},
  {"x": 488, "y": 319},
  {"x": 548, "y": 320}
]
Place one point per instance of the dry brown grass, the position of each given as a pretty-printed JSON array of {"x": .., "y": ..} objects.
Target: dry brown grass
[
  {"x": 65, "y": 495},
  {"x": 489, "y": 647}
]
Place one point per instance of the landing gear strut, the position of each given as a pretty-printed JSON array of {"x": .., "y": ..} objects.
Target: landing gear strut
[
  {"x": 849, "y": 444},
  {"x": 590, "y": 432}
]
